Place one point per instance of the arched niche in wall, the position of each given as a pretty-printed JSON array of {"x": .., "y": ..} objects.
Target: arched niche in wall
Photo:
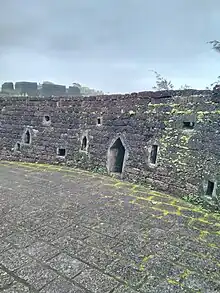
[
  {"x": 27, "y": 137},
  {"x": 116, "y": 156}
]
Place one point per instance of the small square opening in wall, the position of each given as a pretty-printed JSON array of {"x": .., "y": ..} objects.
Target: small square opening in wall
[
  {"x": 188, "y": 124},
  {"x": 153, "y": 154},
  {"x": 61, "y": 152},
  {"x": 210, "y": 188}
]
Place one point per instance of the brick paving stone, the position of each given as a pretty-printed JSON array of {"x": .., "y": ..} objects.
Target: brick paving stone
[
  {"x": 166, "y": 287},
  {"x": 58, "y": 222},
  {"x": 156, "y": 234},
  {"x": 67, "y": 265},
  {"x": 4, "y": 245},
  {"x": 69, "y": 244},
  {"x": 45, "y": 233},
  {"x": 13, "y": 259},
  {"x": 18, "y": 288},
  {"x": 171, "y": 252},
  {"x": 181, "y": 231},
  {"x": 21, "y": 239},
  {"x": 41, "y": 251},
  {"x": 203, "y": 226},
  {"x": 176, "y": 219},
  {"x": 199, "y": 264},
  {"x": 166, "y": 222},
  {"x": 127, "y": 272},
  {"x": 124, "y": 289},
  {"x": 96, "y": 257},
  {"x": 213, "y": 239},
  {"x": 5, "y": 279},
  {"x": 132, "y": 252},
  {"x": 156, "y": 266},
  {"x": 99, "y": 238},
  {"x": 75, "y": 232},
  {"x": 138, "y": 240},
  {"x": 61, "y": 285},
  {"x": 36, "y": 275},
  {"x": 96, "y": 281},
  {"x": 102, "y": 242},
  {"x": 107, "y": 229},
  {"x": 201, "y": 248},
  {"x": 88, "y": 220},
  {"x": 150, "y": 282},
  {"x": 196, "y": 282}
]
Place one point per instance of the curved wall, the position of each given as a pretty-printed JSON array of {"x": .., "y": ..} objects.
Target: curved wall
[{"x": 169, "y": 140}]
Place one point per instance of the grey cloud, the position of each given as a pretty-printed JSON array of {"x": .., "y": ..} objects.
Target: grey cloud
[
  {"x": 127, "y": 37},
  {"x": 132, "y": 29}
]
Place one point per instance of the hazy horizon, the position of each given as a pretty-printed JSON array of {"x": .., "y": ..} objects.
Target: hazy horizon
[{"x": 110, "y": 45}]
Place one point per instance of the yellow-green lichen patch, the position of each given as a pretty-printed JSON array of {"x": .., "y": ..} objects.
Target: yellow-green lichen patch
[
  {"x": 144, "y": 261},
  {"x": 173, "y": 282},
  {"x": 162, "y": 202}
]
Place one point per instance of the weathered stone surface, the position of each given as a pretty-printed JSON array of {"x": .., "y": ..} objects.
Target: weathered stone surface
[
  {"x": 48, "y": 90},
  {"x": 5, "y": 279},
  {"x": 183, "y": 126},
  {"x": 96, "y": 281},
  {"x": 7, "y": 86},
  {"x": 25, "y": 87},
  {"x": 36, "y": 275},
  {"x": 74, "y": 90},
  {"x": 60, "y": 285},
  {"x": 91, "y": 237},
  {"x": 13, "y": 259},
  {"x": 67, "y": 265},
  {"x": 18, "y": 288},
  {"x": 41, "y": 251}
]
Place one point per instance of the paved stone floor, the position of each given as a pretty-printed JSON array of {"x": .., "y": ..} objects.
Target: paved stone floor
[{"x": 64, "y": 230}]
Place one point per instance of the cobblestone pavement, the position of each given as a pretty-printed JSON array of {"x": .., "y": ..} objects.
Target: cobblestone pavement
[{"x": 65, "y": 230}]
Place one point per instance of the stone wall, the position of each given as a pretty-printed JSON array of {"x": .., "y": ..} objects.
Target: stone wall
[
  {"x": 24, "y": 87},
  {"x": 7, "y": 86},
  {"x": 48, "y": 90},
  {"x": 168, "y": 140},
  {"x": 74, "y": 90}
]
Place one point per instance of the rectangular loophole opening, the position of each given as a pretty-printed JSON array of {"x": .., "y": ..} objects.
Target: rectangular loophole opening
[
  {"x": 27, "y": 137},
  {"x": 210, "y": 188},
  {"x": 153, "y": 154},
  {"x": 188, "y": 124},
  {"x": 18, "y": 146},
  {"x": 84, "y": 144},
  {"x": 61, "y": 152},
  {"x": 99, "y": 121}
]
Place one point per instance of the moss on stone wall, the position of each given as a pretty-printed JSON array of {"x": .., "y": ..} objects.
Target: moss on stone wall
[{"x": 186, "y": 158}]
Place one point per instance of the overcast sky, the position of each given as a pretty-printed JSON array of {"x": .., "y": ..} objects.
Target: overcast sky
[{"x": 109, "y": 44}]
